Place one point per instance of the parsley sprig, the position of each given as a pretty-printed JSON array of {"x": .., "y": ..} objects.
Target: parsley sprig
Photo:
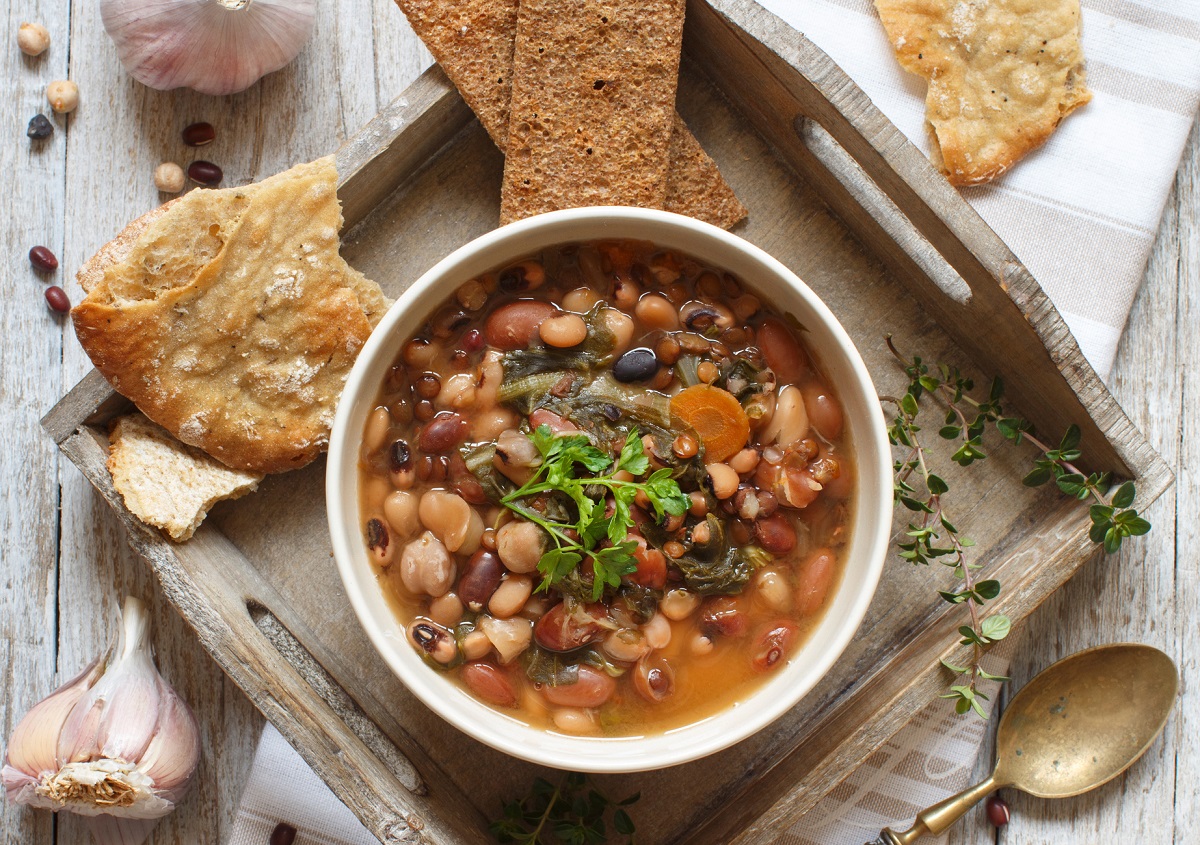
[
  {"x": 572, "y": 813},
  {"x": 593, "y": 535}
]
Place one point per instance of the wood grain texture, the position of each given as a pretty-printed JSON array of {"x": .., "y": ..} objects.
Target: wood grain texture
[{"x": 98, "y": 178}]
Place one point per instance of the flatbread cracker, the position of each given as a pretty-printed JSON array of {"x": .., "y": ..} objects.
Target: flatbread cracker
[
  {"x": 165, "y": 483},
  {"x": 230, "y": 319},
  {"x": 593, "y": 95},
  {"x": 1002, "y": 75},
  {"x": 473, "y": 42}
]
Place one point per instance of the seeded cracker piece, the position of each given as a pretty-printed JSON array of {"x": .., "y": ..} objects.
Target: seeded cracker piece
[
  {"x": 472, "y": 40},
  {"x": 165, "y": 483},
  {"x": 1002, "y": 75},
  {"x": 592, "y": 104},
  {"x": 230, "y": 319}
]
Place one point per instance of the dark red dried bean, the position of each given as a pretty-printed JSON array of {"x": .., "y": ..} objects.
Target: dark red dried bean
[
  {"x": 428, "y": 386},
  {"x": 205, "y": 172},
  {"x": 722, "y": 616},
  {"x": 283, "y": 834},
  {"x": 199, "y": 134},
  {"x": 515, "y": 325},
  {"x": 489, "y": 683},
  {"x": 424, "y": 410},
  {"x": 559, "y": 631},
  {"x": 472, "y": 341},
  {"x": 43, "y": 259},
  {"x": 444, "y": 432},
  {"x": 480, "y": 578},
  {"x": 997, "y": 811},
  {"x": 775, "y": 534},
  {"x": 57, "y": 299},
  {"x": 464, "y": 481}
]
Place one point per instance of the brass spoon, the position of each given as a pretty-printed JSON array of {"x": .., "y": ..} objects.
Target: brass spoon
[{"x": 1075, "y": 726}]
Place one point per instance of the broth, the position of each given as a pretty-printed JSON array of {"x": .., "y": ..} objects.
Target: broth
[{"x": 606, "y": 489}]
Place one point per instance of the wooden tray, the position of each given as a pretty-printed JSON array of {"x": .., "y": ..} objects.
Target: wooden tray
[{"x": 835, "y": 192}]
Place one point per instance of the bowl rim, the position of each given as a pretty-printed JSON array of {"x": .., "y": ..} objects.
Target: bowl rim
[{"x": 590, "y": 753}]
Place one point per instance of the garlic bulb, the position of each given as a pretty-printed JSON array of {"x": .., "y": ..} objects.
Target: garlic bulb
[
  {"x": 213, "y": 46},
  {"x": 115, "y": 743}
]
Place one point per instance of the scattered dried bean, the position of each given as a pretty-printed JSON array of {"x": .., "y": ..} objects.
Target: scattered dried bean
[
  {"x": 199, "y": 134},
  {"x": 57, "y": 299},
  {"x": 205, "y": 173},
  {"x": 43, "y": 259}
]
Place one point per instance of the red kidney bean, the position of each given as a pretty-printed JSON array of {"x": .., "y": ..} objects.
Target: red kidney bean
[
  {"x": 199, "y": 134},
  {"x": 283, "y": 834},
  {"x": 473, "y": 341},
  {"x": 515, "y": 325},
  {"x": 43, "y": 259},
  {"x": 997, "y": 811},
  {"x": 557, "y": 424},
  {"x": 722, "y": 615},
  {"x": 783, "y": 353},
  {"x": 772, "y": 644},
  {"x": 480, "y": 578},
  {"x": 591, "y": 690},
  {"x": 489, "y": 683},
  {"x": 775, "y": 534},
  {"x": 57, "y": 299},
  {"x": 206, "y": 173},
  {"x": 464, "y": 481},
  {"x": 813, "y": 580},
  {"x": 559, "y": 631},
  {"x": 824, "y": 412},
  {"x": 445, "y": 431}
]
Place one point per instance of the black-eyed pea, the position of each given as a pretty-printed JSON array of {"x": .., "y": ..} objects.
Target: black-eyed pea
[
  {"x": 656, "y": 312},
  {"x": 509, "y": 598},
  {"x": 700, "y": 645},
  {"x": 476, "y": 645},
  {"x": 722, "y": 479},
  {"x": 679, "y": 604},
  {"x": 400, "y": 509},
  {"x": 380, "y": 542},
  {"x": 432, "y": 639}
]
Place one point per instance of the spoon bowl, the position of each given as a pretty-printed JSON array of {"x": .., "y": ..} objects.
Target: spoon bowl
[{"x": 1078, "y": 724}]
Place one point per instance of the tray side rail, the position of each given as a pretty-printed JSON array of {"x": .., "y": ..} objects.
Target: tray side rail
[{"x": 828, "y": 130}]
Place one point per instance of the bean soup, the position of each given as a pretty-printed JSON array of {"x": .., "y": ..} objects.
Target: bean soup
[{"x": 606, "y": 488}]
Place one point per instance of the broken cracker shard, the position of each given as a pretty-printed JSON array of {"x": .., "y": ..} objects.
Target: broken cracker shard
[{"x": 1001, "y": 78}]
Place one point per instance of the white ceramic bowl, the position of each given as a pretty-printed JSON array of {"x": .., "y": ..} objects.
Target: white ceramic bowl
[{"x": 864, "y": 554}]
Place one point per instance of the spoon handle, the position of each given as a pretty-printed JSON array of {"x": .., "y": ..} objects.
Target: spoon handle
[{"x": 940, "y": 816}]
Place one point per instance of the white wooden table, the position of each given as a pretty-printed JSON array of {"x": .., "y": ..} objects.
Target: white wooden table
[{"x": 64, "y": 566}]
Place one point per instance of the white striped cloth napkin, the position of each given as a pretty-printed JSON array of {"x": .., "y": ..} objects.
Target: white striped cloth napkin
[{"x": 1081, "y": 213}]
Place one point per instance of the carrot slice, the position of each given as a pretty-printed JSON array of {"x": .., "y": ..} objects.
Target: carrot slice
[{"x": 717, "y": 417}]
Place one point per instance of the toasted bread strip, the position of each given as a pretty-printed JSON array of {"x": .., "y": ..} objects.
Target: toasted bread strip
[{"x": 473, "y": 41}]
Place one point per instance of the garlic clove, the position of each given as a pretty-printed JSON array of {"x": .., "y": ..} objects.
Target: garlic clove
[
  {"x": 32, "y": 748},
  {"x": 174, "y": 753},
  {"x": 130, "y": 692},
  {"x": 212, "y": 46}
]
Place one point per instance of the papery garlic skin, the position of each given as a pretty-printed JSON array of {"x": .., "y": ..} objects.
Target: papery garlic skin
[
  {"x": 211, "y": 46},
  {"x": 115, "y": 741}
]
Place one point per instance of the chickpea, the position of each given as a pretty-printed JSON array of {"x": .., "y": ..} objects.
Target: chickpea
[
  {"x": 446, "y": 610},
  {"x": 563, "y": 330},
  {"x": 426, "y": 567},
  {"x": 63, "y": 95},
  {"x": 33, "y": 39},
  {"x": 656, "y": 312},
  {"x": 723, "y": 479},
  {"x": 679, "y": 604},
  {"x": 519, "y": 544},
  {"x": 169, "y": 177},
  {"x": 621, "y": 327}
]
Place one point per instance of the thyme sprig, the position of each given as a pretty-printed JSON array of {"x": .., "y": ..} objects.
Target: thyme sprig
[
  {"x": 571, "y": 811},
  {"x": 933, "y": 537}
]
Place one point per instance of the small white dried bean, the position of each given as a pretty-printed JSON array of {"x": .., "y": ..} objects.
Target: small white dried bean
[{"x": 510, "y": 596}]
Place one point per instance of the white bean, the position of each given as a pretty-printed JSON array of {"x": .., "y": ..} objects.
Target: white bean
[
  {"x": 400, "y": 508},
  {"x": 679, "y": 604},
  {"x": 789, "y": 424},
  {"x": 458, "y": 392},
  {"x": 377, "y": 429},
  {"x": 446, "y": 610},
  {"x": 573, "y": 720},
  {"x": 476, "y": 645},
  {"x": 657, "y": 631},
  {"x": 510, "y": 596},
  {"x": 627, "y": 645}
]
